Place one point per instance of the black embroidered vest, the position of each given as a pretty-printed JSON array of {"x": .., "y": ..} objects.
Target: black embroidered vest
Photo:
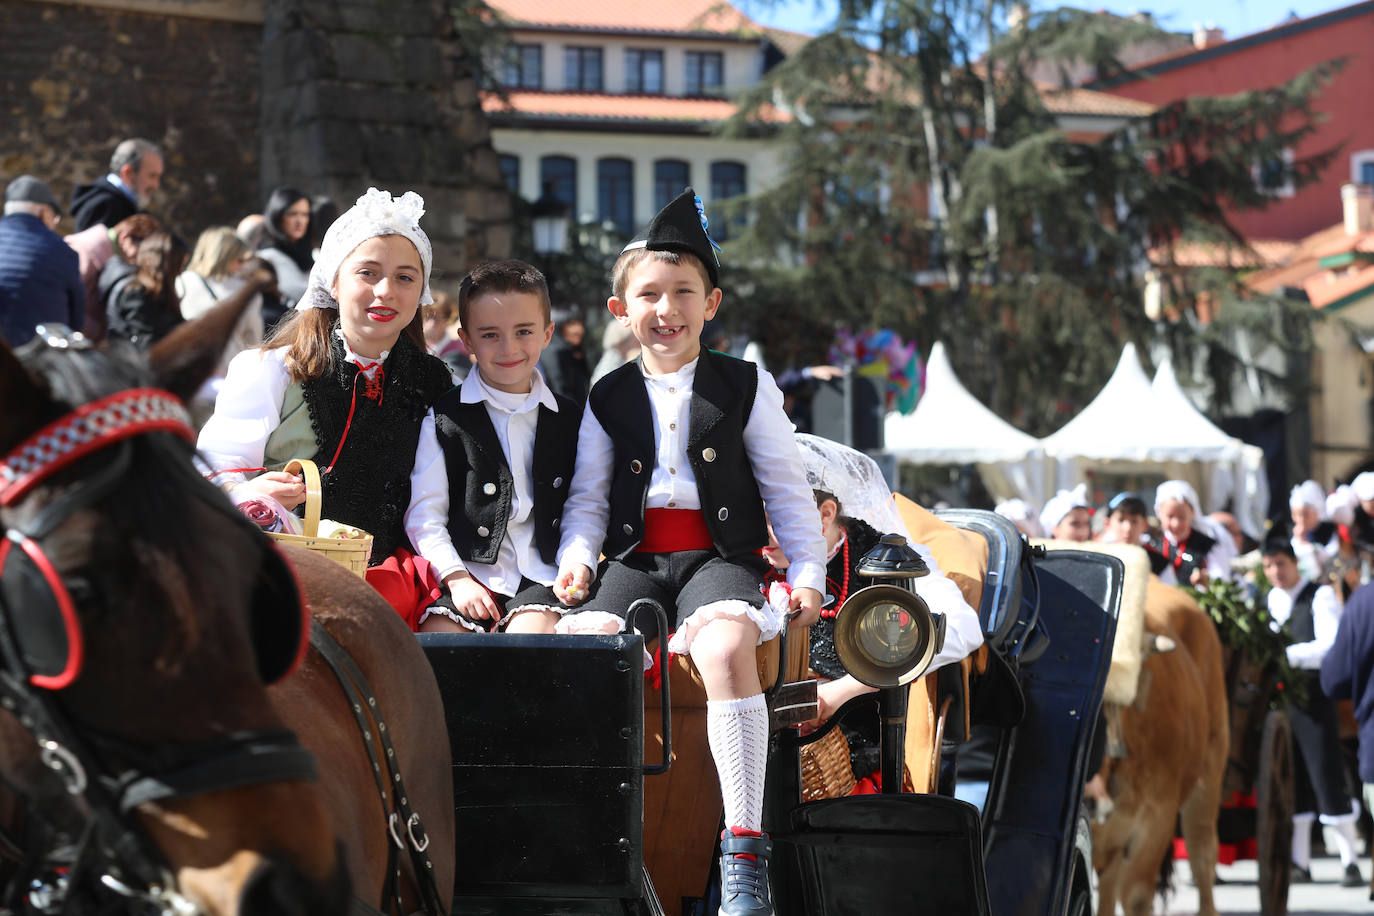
[
  {"x": 369, "y": 484},
  {"x": 722, "y": 397},
  {"x": 477, "y": 469},
  {"x": 1190, "y": 555}
]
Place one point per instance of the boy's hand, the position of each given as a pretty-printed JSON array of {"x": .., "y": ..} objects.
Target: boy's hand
[
  {"x": 572, "y": 584},
  {"x": 470, "y": 598},
  {"x": 805, "y": 606}
]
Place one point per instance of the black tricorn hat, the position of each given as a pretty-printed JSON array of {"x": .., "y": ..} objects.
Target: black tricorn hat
[{"x": 681, "y": 226}]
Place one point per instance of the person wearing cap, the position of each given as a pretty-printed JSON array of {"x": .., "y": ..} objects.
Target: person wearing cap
[
  {"x": 1019, "y": 513},
  {"x": 1192, "y": 556},
  {"x": 40, "y": 275},
  {"x": 1312, "y": 614},
  {"x": 135, "y": 173},
  {"x": 344, "y": 381},
  {"x": 677, "y": 453},
  {"x": 1314, "y": 536},
  {"x": 1067, "y": 516}
]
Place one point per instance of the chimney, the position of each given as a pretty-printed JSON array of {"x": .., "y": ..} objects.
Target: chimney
[
  {"x": 1205, "y": 36},
  {"x": 1357, "y": 205}
]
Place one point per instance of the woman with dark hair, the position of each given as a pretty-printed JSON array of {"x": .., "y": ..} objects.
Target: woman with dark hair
[
  {"x": 286, "y": 246},
  {"x": 148, "y": 306}
]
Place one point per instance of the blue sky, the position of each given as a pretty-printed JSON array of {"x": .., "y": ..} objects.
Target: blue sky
[{"x": 1236, "y": 17}]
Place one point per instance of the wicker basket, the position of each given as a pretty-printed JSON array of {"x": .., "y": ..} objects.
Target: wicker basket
[
  {"x": 826, "y": 771},
  {"x": 349, "y": 552}
]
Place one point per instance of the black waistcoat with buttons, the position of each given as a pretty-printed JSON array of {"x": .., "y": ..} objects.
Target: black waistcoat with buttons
[
  {"x": 722, "y": 398},
  {"x": 1194, "y": 550},
  {"x": 477, "y": 468}
]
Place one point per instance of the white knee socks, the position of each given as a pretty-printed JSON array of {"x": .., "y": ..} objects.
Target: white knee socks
[
  {"x": 1344, "y": 833},
  {"x": 738, "y": 734},
  {"x": 1302, "y": 839}
]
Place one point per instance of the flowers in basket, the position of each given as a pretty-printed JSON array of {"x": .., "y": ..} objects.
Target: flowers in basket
[{"x": 265, "y": 512}]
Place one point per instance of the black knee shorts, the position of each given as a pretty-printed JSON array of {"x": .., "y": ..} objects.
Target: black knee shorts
[{"x": 681, "y": 581}]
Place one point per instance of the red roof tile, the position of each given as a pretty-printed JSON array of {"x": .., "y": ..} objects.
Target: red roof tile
[
  {"x": 1091, "y": 102},
  {"x": 599, "y": 106},
  {"x": 711, "y": 16}
]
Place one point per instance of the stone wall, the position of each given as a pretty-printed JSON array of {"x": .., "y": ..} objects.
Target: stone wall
[
  {"x": 360, "y": 93},
  {"x": 75, "y": 80},
  {"x": 330, "y": 96}
]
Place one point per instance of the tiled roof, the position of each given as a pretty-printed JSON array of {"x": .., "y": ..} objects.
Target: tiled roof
[
  {"x": 605, "y": 107},
  {"x": 1255, "y": 253},
  {"x": 1091, "y": 102},
  {"x": 1302, "y": 268},
  {"x": 710, "y": 16}
]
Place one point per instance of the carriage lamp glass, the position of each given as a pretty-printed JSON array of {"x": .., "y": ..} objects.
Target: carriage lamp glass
[{"x": 885, "y": 633}]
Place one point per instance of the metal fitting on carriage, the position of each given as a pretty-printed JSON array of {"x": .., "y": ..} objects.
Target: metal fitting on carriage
[{"x": 64, "y": 763}]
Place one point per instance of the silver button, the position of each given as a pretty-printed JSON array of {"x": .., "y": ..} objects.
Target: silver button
[
  {"x": 723, "y": 514},
  {"x": 672, "y": 505},
  {"x": 483, "y": 531},
  {"x": 672, "y": 426},
  {"x": 636, "y": 466},
  {"x": 628, "y": 529},
  {"x": 708, "y": 454},
  {"x": 557, "y": 482},
  {"x": 672, "y": 470},
  {"x": 489, "y": 489}
]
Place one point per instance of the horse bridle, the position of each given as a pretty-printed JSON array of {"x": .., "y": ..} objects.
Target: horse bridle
[{"x": 112, "y": 849}]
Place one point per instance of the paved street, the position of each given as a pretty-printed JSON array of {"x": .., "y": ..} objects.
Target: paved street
[{"x": 1239, "y": 897}]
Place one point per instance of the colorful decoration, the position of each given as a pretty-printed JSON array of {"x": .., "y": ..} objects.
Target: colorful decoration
[
  {"x": 883, "y": 355},
  {"x": 706, "y": 226}
]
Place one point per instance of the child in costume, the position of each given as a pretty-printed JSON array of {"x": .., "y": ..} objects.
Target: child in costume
[
  {"x": 1191, "y": 555},
  {"x": 1067, "y": 516},
  {"x": 678, "y": 451},
  {"x": 345, "y": 381},
  {"x": 856, "y": 510},
  {"x": 506, "y": 443}
]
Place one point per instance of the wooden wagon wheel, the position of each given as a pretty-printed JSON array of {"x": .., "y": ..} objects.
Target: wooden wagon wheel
[{"x": 1274, "y": 814}]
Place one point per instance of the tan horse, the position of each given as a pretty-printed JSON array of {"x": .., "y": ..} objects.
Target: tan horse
[
  {"x": 1176, "y": 742},
  {"x": 164, "y": 578}
]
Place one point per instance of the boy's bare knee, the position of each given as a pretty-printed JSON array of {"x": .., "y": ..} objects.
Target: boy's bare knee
[{"x": 532, "y": 620}]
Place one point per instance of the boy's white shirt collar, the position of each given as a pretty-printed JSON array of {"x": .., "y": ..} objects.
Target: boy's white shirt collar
[
  {"x": 360, "y": 361},
  {"x": 474, "y": 390},
  {"x": 685, "y": 373}
]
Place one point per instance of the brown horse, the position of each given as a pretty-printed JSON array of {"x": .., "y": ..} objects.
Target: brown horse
[
  {"x": 1176, "y": 739},
  {"x": 180, "y": 614}
]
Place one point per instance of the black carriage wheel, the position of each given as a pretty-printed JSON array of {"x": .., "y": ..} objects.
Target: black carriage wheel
[{"x": 1274, "y": 815}]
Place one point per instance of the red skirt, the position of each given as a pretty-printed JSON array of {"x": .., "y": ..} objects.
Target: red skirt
[{"x": 408, "y": 583}]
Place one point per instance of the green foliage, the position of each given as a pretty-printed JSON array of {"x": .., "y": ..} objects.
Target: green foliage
[
  {"x": 1244, "y": 626},
  {"x": 1028, "y": 258}
]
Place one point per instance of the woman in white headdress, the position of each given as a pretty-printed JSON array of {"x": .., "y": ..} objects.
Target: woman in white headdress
[
  {"x": 1314, "y": 537},
  {"x": 1067, "y": 516},
  {"x": 856, "y": 509},
  {"x": 1192, "y": 555},
  {"x": 345, "y": 381}
]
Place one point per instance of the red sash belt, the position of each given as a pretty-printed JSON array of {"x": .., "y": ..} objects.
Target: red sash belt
[{"x": 671, "y": 530}]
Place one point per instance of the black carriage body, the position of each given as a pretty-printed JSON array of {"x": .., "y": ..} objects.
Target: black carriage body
[{"x": 548, "y": 746}]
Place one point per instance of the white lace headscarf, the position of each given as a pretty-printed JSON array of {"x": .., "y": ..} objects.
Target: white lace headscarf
[
  {"x": 1309, "y": 493},
  {"x": 375, "y": 213},
  {"x": 1363, "y": 485},
  {"x": 857, "y": 482},
  {"x": 1180, "y": 490},
  {"x": 1019, "y": 513},
  {"x": 1060, "y": 505}
]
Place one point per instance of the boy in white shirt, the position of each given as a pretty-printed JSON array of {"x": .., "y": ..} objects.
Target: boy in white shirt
[
  {"x": 506, "y": 443},
  {"x": 677, "y": 454}
]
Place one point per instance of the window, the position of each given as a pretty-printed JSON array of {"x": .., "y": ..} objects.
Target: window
[
  {"x": 562, "y": 172},
  {"x": 1274, "y": 175},
  {"x": 582, "y": 69},
  {"x": 615, "y": 194},
  {"x": 524, "y": 67},
  {"x": 644, "y": 71},
  {"x": 727, "y": 180},
  {"x": 1362, "y": 167},
  {"x": 705, "y": 71},
  {"x": 510, "y": 171},
  {"x": 671, "y": 176}
]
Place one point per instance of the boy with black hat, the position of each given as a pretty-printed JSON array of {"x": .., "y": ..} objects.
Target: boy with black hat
[
  {"x": 677, "y": 454},
  {"x": 1312, "y": 613}
]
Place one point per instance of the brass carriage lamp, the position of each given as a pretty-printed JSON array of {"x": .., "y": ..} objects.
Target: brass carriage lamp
[{"x": 887, "y": 636}]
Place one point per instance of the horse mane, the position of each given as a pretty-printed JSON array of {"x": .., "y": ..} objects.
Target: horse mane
[{"x": 158, "y": 513}]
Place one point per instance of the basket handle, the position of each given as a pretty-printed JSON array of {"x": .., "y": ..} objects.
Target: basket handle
[{"x": 311, "y": 473}]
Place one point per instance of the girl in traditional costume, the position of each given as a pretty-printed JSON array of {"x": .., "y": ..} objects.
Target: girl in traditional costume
[{"x": 345, "y": 381}]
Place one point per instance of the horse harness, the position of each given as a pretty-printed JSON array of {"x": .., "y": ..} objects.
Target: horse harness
[
  {"x": 405, "y": 832},
  {"x": 42, "y": 651}
]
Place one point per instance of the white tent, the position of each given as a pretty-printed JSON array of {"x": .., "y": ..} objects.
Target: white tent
[
  {"x": 1134, "y": 425},
  {"x": 951, "y": 426}
]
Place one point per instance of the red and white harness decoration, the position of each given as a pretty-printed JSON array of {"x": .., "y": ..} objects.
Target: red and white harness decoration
[{"x": 88, "y": 429}]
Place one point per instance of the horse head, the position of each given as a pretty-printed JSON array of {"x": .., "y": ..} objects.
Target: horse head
[{"x": 141, "y": 618}]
